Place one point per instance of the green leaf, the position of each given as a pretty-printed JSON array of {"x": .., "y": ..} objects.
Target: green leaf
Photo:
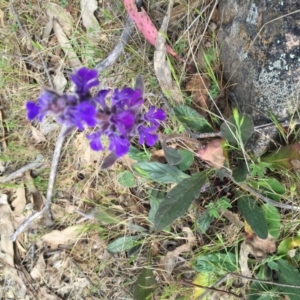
[
  {"x": 240, "y": 173},
  {"x": 162, "y": 173},
  {"x": 137, "y": 155},
  {"x": 178, "y": 200},
  {"x": 270, "y": 187},
  {"x": 260, "y": 291},
  {"x": 254, "y": 216},
  {"x": 287, "y": 274},
  {"x": 187, "y": 159},
  {"x": 282, "y": 158},
  {"x": 204, "y": 221},
  {"x": 155, "y": 198},
  {"x": 273, "y": 219},
  {"x": 235, "y": 133},
  {"x": 191, "y": 119},
  {"x": 173, "y": 157},
  {"x": 106, "y": 215},
  {"x": 122, "y": 244},
  {"x": 217, "y": 263},
  {"x": 127, "y": 179},
  {"x": 145, "y": 285}
]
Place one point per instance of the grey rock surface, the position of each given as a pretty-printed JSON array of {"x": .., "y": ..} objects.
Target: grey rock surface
[{"x": 260, "y": 50}]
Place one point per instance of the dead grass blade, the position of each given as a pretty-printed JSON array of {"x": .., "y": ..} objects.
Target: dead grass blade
[{"x": 161, "y": 67}]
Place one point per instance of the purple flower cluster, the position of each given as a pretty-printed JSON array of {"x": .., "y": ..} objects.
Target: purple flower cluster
[{"x": 121, "y": 119}]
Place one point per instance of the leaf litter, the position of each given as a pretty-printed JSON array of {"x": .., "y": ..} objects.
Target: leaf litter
[{"x": 71, "y": 258}]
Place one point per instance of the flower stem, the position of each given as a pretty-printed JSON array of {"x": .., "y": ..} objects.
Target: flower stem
[{"x": 46, "y": 209}]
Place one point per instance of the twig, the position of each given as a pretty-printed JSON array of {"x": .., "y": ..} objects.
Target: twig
[
  {"x": 46, "y": 208},
  {"x": 266, "y": 281},
  {"x": 211, "y": 288},
  {"x": 268, "y": 200},
  {"x": 35, "y": 164},
  {"x": 116, "y": 52},
  {"x": 29, "y": 38}
]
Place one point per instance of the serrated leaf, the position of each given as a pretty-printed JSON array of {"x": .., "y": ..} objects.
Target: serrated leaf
[
  {"x": 173, "y": 157},
  {"x": 234, "y": 133},
  {"x": 282, "y": 158},
  {"x": 145, "y": 285},
  {"x": 217, "y": 263},
  {"x": 127, "y": 179},
  {"x": 254, "y": 216},
  {"x": 122, "y": 244},
  {"x": 162, "y": 173},
  {"x": 178, "y": 200},
  {"x": 273, "y": 219},
  {"x": 287, "y": 274},
  {"x": 240, "y": 173},
  {"x": 187, "y": 159},
  {"x": 192, "y": 119}
]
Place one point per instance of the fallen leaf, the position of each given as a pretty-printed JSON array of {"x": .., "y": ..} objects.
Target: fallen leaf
[
  {"x": 37, "y": 136},
  {"x": 67, "y": 236},
  {"x": 286, "y": 158},
  {"x": 172, "y": 258},
  {"x": 89, "y": 20},
  {"x": 259, "y": 248},
  {"x": 198, "y": 85},
  {"x": 145, "y": 25},
  {"x": 48, "y": 125},
  {"x": 19, "y": 200},
  {"x": 38, "y": 270},
  {"x": 60, "y": 81},
  {"x": 162, "y": 69},
  {"x": 66, "y": 46},
  {"x": 61, "y": 16},
  {"x": 85, "y": 156},
  {"x": 245, "y": 250},
  {"x": 213, "y": 154}
]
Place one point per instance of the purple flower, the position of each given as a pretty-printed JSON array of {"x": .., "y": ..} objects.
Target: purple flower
[
  {"x": 120, "y": 120},
  {"x": 146, "y": 134},
  {"x": 84, "y": 79},
  {"x": 154, "y": 116}
]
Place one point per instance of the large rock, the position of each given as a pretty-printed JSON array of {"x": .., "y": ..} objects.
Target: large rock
[{"x": 260, "y": 50}]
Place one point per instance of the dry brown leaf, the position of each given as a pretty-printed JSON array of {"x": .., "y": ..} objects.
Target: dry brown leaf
[
  {"x": 37, "y": 136},
  {"x": 61, "y": 15},
  {"x": 67, "y": 236},
  {"x": 47, "y": 126},
  {"x": 213, "y": 154},
  {"x": 65, "y": 44},
  {"x": 172, "y": 258},
  {"x": 245, "y": 250},
  {"x": 59, "y": 81},
  {"x": 85, "y": 156},
  {"x": 260, "y": 248},
  {"x": 198, "y": 85},
  {"x": 89, "y": 20},
  {"x": 19, "y": 201},
  {"x": 162, "y": 69},
  {"x": 38, "y": 270}
]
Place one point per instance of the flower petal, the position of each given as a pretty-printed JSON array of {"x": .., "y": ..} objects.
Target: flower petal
[
  {"x": 124, "y": 121},
  {"x": 95, "y": 141},
  {"x": 120, "y": 145},
  {"x": 146, "y": 135},
  {"x": 155, "y": 115},
  {"x": 126, "y": 97},
  {"x": 32, "y": 110},
  {"x": 84, "y": 79},
  {"x": 86, "y": 112}
]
